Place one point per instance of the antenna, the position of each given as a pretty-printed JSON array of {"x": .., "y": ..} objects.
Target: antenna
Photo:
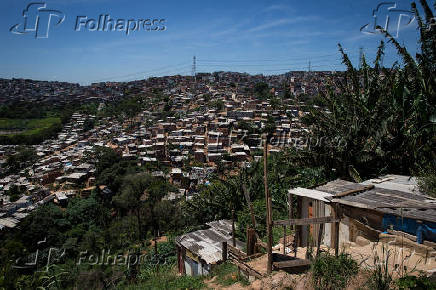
[{"x": 310, "y": 66}]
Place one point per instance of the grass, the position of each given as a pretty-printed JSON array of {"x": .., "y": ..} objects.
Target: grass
[
  {"x": 28, "y": 126},
  {"x": 227, "y": 274},
  {"x": 330, "y": 272},
  {"x": 28, "y": 131},
  {"x": 166, "y": 277}
]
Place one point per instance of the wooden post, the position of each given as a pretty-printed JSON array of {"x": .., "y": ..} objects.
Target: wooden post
[
  {"x": 290, "y": 208},
  {"x": 224, "y": 251},
  {"x": 233, "y": 229},
  {"x": 250, "y": 205},
  {"x": 268, "y": 206},
  {"x": 284, "y": 240},
  {"x": 251, "y": 241},
  {"x": 335, "y": 231},
  {"x": 321, "y": 230}
]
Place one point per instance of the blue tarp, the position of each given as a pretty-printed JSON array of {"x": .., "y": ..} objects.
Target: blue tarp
[{"x": 423, "y": 231}]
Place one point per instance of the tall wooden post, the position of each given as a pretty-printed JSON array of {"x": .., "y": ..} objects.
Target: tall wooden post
[
  {"x": 268, "y": 206},
  {"x": 284, "y": 240},
  {"x": 335, "y": 231},
  {"x": 233, "y": 229},
  {"x": 251, "y": 241},
  {"x": 224, "y": 251}
]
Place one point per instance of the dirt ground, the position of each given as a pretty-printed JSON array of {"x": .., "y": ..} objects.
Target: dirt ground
[{"x": 402, "y": 258}]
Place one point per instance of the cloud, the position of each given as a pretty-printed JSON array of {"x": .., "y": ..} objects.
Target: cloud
[{"x": 281, "y": 22}]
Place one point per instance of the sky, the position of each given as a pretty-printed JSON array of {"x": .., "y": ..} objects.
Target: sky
[{"x": 269, "y": 37}]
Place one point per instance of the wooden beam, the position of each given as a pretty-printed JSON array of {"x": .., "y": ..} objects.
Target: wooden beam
[
  {"x": 224, "y": 251},
  {"x": 291, "y": 263},
  {"x": 348, "y": 192},
  {"x": 247, "y": 269},
  {"x": 235, "y": 252},
  {"x": 307, "y": 221},
  {"x": 321, "y": 230},
  {"x": 335, "y": 233},
  {"x": 284, "y": 240}
]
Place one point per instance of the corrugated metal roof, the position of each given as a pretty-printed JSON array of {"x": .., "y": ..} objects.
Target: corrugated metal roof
[
  {"x": 206, "y": 244},
  {"x": 311, "y": 193}
]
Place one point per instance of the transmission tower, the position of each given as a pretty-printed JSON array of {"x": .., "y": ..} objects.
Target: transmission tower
[
  {"x": 194, "y": 67},
  {"x": 360, "y": 57},
  {"x": 310, "y": 66}
]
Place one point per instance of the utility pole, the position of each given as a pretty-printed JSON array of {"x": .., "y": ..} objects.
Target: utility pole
[{"x": 268, "y": 206}]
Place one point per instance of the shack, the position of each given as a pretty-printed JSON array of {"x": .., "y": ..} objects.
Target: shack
[{"x": 198, "y": 252}]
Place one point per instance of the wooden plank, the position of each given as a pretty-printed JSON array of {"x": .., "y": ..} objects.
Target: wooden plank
[
  {"x": 291, "y": 263},
  {"x": 247, "y": 269},
  {"x": 357, "y": 190},
  {"x": 367, "y": 231},
  {"x": 402, "y": 234},
  {"x": 352, "y": 203},
  {"x": 307, "y": 221},
  {"x": 236, "y": 252},
  {"x": 254, "y": 256}
]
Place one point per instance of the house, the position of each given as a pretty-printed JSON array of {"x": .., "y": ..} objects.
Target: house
[
  {"x": 198, "y": 252},
  {"x": 389, "y": 204}
]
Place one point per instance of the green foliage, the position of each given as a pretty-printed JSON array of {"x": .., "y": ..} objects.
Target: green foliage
[
  {"x": 383, "y": 118},
  {"x": 217, "y": 105},
  {"x": 20, "y": 160},
  {"x": 331, "y": 272},
  {"x": 427, "y": 181},
  {"x": 15, "y": 192},
  {"x": 227, "y": 274},
  {"x": 381, "y": 278},
  {"x": 88, "y": 124},
  {"x": 28, "y": 131},
  {"x": 165, "y": 277},
  {"x": 217, "y": 200},
  {"x": 261, "y": 90},
  {"x": 415, "y": 283}
]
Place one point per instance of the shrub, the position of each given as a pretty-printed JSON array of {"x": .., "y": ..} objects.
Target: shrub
[
  {"x": 415, "y": 283},
  {"x": 331, "y": 272}
]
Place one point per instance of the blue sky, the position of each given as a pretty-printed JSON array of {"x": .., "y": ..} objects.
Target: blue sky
[{"x": 252, "y": 36}]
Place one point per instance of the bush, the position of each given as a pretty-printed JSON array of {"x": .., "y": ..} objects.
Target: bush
[
  {"x": 415, "y": 283},
  {"x": 330, "y": 272},
  {"x": 427, "y": 181},
  {"x": 227, "y": 274}
]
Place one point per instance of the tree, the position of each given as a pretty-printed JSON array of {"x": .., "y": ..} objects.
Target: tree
[
  {"x": 381, "y": 120},
  {"x": 140, "y": 193},
  {"x": 20, "y": 160},
  {"x": 261, "y": 90}
]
